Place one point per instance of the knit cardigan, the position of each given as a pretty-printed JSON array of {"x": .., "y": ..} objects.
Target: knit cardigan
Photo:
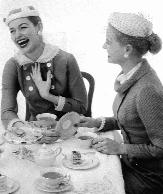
[{"x": 138, "y": 113}]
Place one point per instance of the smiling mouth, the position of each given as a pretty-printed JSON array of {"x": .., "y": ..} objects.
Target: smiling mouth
[{"x": 23, "y": 42}]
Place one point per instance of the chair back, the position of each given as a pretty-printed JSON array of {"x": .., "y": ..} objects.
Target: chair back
[
  {"x": 27, "y": 115},
  {"x": 91, "y": 82}
]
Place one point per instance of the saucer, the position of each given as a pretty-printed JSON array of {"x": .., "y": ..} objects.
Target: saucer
[
  {"x": 14, "y": 139},
  {"x": 12, "y": 186},
  {"x": 66, "y": 124},
  {"x": 63, "y": 188},
  {"x": 88, "y": 162}
]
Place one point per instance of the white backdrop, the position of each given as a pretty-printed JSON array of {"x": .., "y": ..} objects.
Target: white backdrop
[{"x": 78, "y": 26}]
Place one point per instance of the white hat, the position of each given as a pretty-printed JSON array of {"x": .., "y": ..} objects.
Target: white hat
[
  {"x": 131, "y": 24},
  {"x": 20, "y": 13}
]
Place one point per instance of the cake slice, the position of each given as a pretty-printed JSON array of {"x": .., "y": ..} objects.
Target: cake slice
[{"x": 76, "y": 158}]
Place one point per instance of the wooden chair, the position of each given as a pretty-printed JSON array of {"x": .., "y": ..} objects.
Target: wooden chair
[{"x": 91, "y": 82}]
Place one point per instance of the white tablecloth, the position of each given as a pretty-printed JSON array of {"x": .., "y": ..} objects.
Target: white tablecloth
[{"x": 107, "y": 175}]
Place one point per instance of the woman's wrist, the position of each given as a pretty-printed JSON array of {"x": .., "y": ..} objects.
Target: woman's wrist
[
  {"x": 122, "y": 149},
  {"x": 52, "y": 98},
  {"x": 45, "y": 95},
  {"x": 99, "y": 124}
]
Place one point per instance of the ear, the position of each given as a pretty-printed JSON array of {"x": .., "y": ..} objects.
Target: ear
[
  {"x": 128, "y": 50},
  {"x": 40, "y": 27}
]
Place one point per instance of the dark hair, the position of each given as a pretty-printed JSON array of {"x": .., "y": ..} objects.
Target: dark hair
[
  {"x": 141, "y": 45},
  {"x": 34, "y": 19}
]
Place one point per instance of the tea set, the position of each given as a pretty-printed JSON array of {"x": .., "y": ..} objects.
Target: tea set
[{"x": 46, "y": 156}]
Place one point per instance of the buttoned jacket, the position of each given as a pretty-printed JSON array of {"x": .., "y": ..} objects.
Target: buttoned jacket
[{"x": 66, "y": 81}]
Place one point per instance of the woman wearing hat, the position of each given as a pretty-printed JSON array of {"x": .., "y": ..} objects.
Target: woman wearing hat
[
  {"x": 48, "y": 77},
  {"x": 138, "y": 105}
]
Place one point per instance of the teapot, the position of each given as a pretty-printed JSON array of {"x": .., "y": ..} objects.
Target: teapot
[{"x": 46, "y": 156}]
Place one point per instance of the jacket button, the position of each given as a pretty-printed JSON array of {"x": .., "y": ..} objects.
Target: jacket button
[
  {"x": 52, "y": 87},
  {"x": 28, "y": 77},
  {"x": 30, "y": 88},
  {"x": 48, "y": 64}
]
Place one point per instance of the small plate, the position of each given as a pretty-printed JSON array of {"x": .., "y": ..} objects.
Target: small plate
[
  {"x": 88, "y": 162},
  {"x": 13, "y": 139},
  {"x": 12, "y": 186},
  {"x": 66, "y": 124},
  {"x": 56, "y": 190}
]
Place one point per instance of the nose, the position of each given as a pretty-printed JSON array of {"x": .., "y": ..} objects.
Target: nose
[{"x": 17, "y": 34}]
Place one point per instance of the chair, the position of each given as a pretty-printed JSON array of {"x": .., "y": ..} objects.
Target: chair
[
  {"x": 91, "y": 82},
  {"x": 27, "y": 115}
]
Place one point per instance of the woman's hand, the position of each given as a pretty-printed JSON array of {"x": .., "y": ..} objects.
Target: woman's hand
[
  {"x": 107, "y": 146},
  {"x": 50, "y": 136},
  {"x": 88, "y": 122},
  {"x": 43, "y": 86}
]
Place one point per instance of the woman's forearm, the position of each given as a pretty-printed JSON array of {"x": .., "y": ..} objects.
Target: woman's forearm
[
  {"x": 52, "y": 98},
  {"x": 142, "y": 151}
]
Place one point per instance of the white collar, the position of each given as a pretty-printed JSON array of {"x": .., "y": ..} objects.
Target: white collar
[
  {"x": 49, "y": 52},
  {"x": 124, "y": 77}
]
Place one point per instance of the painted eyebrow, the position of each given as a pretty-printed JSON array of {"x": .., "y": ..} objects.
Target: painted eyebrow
[
  {"x": 23, "y": 24},
  {"x": 20, "y": 25}
]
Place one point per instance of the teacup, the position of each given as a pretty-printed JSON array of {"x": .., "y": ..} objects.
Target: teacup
[
  {"x": 3, "y": 183},
  {"x": 46, "y": 116},
  {"x": 52, "y": 179},
  {"x": 85, "y": 141}
]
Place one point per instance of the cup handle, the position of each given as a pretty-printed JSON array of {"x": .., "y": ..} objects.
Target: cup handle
[{"x": 58, "y": 151}]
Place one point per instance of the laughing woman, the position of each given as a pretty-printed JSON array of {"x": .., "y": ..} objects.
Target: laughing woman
[
  {"x": 48, "y": 77},
  {"x": 138, "y": 105}
]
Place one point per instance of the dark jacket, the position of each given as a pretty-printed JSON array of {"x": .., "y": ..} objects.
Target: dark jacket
[{"x": 66, "y": 81}]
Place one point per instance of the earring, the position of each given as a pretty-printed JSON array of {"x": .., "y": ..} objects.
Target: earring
[
  {"x": 125, "y": 55},
  {"x": 39, "y": 33}
]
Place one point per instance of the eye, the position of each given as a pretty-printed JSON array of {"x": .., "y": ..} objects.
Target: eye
[
  {"x": 12, "y": 31},
  {"x": 23, "y": 27}
]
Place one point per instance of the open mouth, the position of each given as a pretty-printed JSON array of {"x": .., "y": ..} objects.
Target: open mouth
[{"x": 23, "y": 42}]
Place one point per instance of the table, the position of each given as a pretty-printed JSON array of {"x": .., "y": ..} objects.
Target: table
[{"x": 108, "y": 173}]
